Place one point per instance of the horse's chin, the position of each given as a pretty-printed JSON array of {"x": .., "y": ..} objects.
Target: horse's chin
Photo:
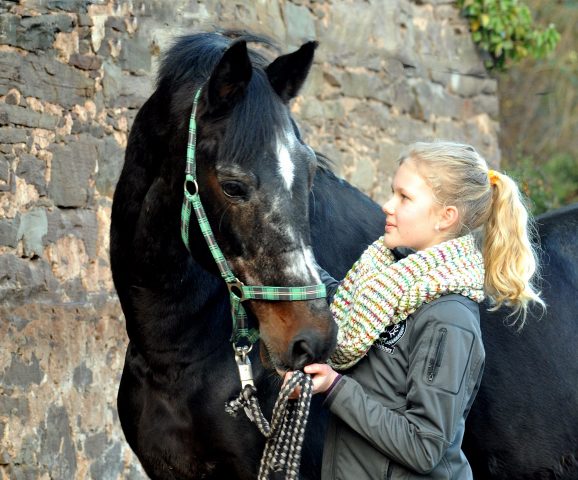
[{"x": 269, "y": 361}]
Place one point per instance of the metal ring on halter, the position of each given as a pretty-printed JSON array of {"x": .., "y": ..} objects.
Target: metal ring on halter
[
  {"x": 238, "y": 284},
  {"x": 242, "y": 351},
  {"x": 196, "y": 187}
]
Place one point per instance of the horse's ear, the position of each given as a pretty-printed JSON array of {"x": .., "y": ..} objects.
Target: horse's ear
[
  {"x": 230, "y": 78},
  {"x": 288, "y": 72}
]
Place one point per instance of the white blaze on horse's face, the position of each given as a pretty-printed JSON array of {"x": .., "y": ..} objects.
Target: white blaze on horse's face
[
  {"x": 301, "y": 265},
  {"x": 286, "y": 165}
]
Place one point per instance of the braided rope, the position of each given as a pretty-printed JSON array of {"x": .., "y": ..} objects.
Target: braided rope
[{"x": 286, "y": 431}]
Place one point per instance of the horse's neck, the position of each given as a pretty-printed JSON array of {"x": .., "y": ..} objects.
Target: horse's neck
[
  {"x": 186, "y": 319},
  {"x": 344, "y": 222}
]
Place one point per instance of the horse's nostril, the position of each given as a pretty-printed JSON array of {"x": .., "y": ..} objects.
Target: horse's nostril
[{"x": 300, "y": 354}]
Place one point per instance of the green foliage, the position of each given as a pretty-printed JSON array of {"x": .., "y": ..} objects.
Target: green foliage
[
  {"x": 503, "y": 29},
  {"x": 550, "y": 186}
]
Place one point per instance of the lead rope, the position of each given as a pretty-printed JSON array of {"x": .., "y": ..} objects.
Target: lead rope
[{"x": 286, "y": 432}]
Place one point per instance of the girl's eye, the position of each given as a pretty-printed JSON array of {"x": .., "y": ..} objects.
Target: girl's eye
[
  {"x": 234, "y": 190},
  {"x": 403, "y": 197}
]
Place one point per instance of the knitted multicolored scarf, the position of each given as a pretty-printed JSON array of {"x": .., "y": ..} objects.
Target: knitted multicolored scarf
[{"x": 379, "y": 291}]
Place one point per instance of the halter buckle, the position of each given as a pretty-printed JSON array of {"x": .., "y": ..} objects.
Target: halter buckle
[{"x": 238, "y": 285}]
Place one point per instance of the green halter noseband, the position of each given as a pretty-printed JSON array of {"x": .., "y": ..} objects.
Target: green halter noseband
[{"x": 238, "y": 292}]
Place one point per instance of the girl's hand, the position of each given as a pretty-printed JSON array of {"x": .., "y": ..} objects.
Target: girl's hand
[{"x": 323, "y": 377}]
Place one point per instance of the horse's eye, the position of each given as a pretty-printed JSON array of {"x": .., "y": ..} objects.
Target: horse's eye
[{"x": 233, "y": 189}]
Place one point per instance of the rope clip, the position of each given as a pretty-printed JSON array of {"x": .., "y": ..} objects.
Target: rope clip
[{"x": 244, "y": 365}]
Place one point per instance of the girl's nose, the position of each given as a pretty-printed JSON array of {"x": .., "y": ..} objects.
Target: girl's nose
[{"x": 386, "y": 207}]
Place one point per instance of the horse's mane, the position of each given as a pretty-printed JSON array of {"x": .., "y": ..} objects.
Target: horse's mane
[{"x": 193, "y": 57}]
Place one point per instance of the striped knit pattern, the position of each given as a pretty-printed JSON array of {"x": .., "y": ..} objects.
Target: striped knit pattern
[{"x": 379, "y": 291}]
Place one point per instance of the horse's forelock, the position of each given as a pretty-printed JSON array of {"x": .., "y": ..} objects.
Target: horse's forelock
[{"x": 256, "y": 123}]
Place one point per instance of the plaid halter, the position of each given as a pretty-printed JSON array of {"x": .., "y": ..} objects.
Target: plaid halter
[{"x": 238, "y": 292}]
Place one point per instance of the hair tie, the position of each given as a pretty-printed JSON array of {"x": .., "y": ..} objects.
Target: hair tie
[{"x": 493, "y": 176}]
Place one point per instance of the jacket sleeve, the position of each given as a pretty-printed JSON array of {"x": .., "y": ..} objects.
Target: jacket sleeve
[
  {"x": 331, "y": 285},
  {"x": 445, "y": 364}
]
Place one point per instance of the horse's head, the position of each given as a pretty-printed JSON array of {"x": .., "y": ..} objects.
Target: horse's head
[{"x": 255, "y": 176}]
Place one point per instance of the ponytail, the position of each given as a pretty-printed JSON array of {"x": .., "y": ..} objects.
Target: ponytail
[
  {"x": 487, "y": 202},
  {"x": 509, "y": 256}
]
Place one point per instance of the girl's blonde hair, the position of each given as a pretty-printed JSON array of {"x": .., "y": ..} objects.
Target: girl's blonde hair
[{"x": 458, "y": 176}]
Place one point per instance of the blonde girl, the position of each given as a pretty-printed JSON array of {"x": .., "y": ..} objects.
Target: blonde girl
[{"x": 409, "y": 326}]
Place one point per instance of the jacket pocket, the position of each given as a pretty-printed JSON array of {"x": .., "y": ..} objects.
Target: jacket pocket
[
  {"x": 448, "y": 358},
  {"x": 435, "y": 360}
]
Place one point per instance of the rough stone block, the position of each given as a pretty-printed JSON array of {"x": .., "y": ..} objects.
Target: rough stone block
[
  {"x": 117, "y": 23},
  {"x": 363, "y": 175},
  {"x": 34, "y": 32},
  {"x": 351, "y": 23},
  {"x": 134, "y": 91},
  {"x": 111, "y": 81},
  {"x": 314, "y": 84},
  {"x": 33, "y": 171},
  {"x": 300, "y": 23},
  {"x": 110, "y": 465},
  {"x": 409, "y": 130},
  {"x": 486, "y": 104},
  {"x": 9, "y": 228},
  {"x": 4, "y": 168},
  {"x": 33, "y": 227},
  {"x": 81, "y": 223},
  {"x": 110, "y": 162},
  {"x": 269, "y": 17},
  {"x": 21, "y": 373},
  {"x": 9, "y": 26},
  {"x": 72, "y": 166},
  {"x": 82, "y": 378},
  {"x": 95, "y": 445},
  {"x": 11, "y": 99},
  {"x": 135, "y": 55},
  {"x": 85, "y": 62},
  {"x": 18, "y": 116},
  {"x": 54, "y": 81},
  {"x": 14, "y": 407},
  {"x": 57, "y": 450},
  {"x": 22, "y": 279},
  {"x": 12, "y": 135},
  {"x": 466, "y": 85},
  {"x": 73, "y": 6},
  {"x": 371, "y": 114},
  {"x": 85, "y": 21},
  {"x": 388, "y": 156},
  {"x": 312, "y": 111}
]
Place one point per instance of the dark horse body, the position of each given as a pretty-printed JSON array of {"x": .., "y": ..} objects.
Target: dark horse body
[{"x": 180, "y": 368}]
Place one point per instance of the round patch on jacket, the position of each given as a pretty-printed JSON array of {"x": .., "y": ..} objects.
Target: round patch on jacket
[{"x": 390, "y": 336}]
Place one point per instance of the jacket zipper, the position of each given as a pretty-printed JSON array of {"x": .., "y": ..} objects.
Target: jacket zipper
[{"x": 436, "y": 362}]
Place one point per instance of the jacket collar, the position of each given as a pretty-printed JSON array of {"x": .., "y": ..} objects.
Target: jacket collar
[{"x": 401, "y": 252}]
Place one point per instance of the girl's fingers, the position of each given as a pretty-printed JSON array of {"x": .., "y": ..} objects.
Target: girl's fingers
[{"x": 314, "y": 368}]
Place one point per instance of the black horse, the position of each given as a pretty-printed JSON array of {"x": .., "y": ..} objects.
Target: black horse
[{"x": 255, "y": 179}]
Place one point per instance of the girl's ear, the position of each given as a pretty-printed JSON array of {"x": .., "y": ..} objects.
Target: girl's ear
[{"x": 450, "y": 216}]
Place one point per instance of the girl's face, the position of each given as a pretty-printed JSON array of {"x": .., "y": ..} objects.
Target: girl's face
[{"x": 412, "y": 211}]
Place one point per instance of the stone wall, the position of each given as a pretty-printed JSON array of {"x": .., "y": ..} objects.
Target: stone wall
[{"x": 72, "y": 77}]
